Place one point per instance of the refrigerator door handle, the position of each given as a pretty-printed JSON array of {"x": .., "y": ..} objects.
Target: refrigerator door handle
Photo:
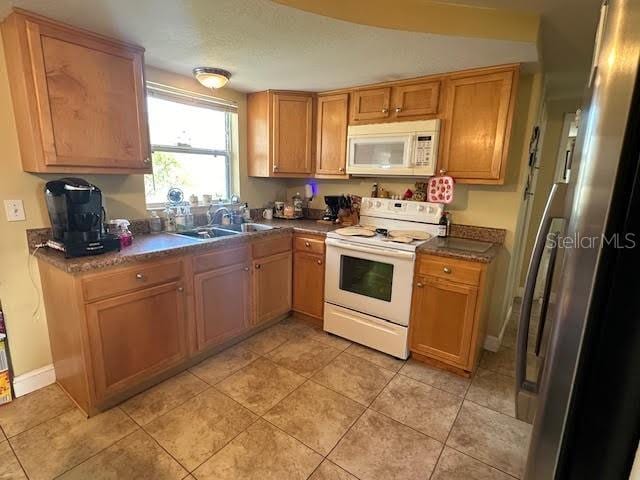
[{"x": 553, "y": 209}]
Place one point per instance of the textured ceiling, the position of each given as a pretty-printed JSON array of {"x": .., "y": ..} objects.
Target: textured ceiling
[
  {"x": 567, "y": 29},
  {"x": 266, "y": 45}
]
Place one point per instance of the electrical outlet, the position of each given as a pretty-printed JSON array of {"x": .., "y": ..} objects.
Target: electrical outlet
[{"x": 15, "y": 210}]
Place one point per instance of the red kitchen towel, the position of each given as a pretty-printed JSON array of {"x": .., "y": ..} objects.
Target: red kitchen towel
[{"x": 440, "y": 189}]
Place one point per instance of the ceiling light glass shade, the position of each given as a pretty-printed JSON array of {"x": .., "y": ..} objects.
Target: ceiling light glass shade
[{"x": 211, "y": 77}]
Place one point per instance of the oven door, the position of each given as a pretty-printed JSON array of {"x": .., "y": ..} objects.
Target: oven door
[{"x": 372, "y": 280}]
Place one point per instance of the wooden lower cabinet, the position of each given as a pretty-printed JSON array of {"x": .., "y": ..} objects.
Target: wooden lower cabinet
[
  {"x": 308, "y": 284},
  {"x": 222, "y": 304},
  {"x": 136, "y": 335},
  {"x": 447, "y": 315},
  {"x": 271, "y": 287}
]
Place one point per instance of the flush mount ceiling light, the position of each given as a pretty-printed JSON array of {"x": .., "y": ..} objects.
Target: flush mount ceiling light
[{"x": 211, "y": 77}]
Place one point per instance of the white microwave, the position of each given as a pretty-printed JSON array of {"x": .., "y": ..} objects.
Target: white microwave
[{"x": 399, "y": 148}]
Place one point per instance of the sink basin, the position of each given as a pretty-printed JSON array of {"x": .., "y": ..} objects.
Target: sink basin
[
  {"x": 247, "y": 227},
  {"x": 207, "y": 233}
]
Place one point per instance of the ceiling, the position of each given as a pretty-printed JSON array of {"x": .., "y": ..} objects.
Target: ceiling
[
  {"x": 567, "y": 33},
  {"x": 269, "y": 45}
]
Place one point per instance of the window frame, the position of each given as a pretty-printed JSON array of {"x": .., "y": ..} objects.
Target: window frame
[{"x": 194, "y": 99}]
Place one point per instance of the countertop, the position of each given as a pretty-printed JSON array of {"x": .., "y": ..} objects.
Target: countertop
[
  {"x": 149, "y": 246},
  {"x": 463, "y": 249}
]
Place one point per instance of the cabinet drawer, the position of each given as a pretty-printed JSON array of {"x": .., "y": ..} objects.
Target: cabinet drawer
[
  {"x": 450, "y": 269},
  {"x": 272, "y": 246},
  {"x": 309, "y": 244},
  {"x": 221, "y": 258},
  {"x": 130, "y": 279}
]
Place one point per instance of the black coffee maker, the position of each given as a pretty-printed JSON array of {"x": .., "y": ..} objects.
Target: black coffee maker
[
  {"x": 77, "y": 218},
  {"x": 334, "y": 204}
]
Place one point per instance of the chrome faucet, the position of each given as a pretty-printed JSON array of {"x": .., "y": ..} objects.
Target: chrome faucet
[{"x": 214, "y": 216}]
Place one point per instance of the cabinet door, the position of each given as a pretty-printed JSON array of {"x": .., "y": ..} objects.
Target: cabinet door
[
  {"x": 136, "y": 336},
  {"x": 477, "y": 127},
  {"x": 417, "y": 100},
  {"x": 442, "y": 320},
  {"x": 370, "y": 104},
  {"x": 292, "y": 133},
  {"x": 271, "y": 287},
  {"x": 308, "y": 284},
  {"x": 91, "y": 100},
  {"x": 223, "y": 304},
  {"x": 331, "y": 153}
]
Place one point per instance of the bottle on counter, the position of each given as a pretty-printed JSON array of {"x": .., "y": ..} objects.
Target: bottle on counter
[
  {"x": 297, "y": 205},
  {"x": 374, "y": 190},
  {"x": 442, "y": 226},
  {"x": 155, "y": 223}
]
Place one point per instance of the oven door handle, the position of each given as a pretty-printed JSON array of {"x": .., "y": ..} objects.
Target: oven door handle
[{"x": 373, "y": 250}]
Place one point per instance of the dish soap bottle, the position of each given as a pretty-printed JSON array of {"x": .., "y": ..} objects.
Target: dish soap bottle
[{"x": 442, "y": 226}]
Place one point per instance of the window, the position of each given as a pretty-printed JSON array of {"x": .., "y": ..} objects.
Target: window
[{"x": 191, "y": 145}]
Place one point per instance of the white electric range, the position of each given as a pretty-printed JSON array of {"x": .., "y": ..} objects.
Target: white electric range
[{"x": 369, "y": 280}]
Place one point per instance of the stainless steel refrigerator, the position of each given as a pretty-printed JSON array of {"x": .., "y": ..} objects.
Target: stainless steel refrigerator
[{"x": 578, "y": 360}]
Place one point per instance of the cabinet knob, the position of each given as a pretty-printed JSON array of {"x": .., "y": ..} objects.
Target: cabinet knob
[
  {"x": 319, "y": 262},
  {"x": 139, "y": 276},
  {"x": 398, "y": 109},
  {"x": 341, "y": 169},
  {"x": 275, "y": 168},
  {"x": 257, "y": 266},
  {"x": 442, "y": 171},
  {"x": 307, "y": 244},
  {"x": 385, "y": 110},
  {"x": 181, "y": 289},
  {"x": 419, "y": 284},
  {"x": 446, "y": 270},
  {"x": 246, "y": 269}
]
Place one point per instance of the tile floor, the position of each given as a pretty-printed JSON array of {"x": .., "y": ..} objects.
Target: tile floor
[{"x": 292, "y": 402}]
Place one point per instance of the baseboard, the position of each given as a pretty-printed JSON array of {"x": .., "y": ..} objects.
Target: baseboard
[
  {"x": 34, "y": 380},
  {"x": 493, "y": 343}
]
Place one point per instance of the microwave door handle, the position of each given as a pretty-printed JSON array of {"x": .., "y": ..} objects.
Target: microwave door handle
[
  {"x": 372, "y": 250},
  {"x": 553, "y": 209}
]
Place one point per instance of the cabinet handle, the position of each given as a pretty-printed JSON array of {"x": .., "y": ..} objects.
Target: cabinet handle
[
  {"x": 419, "y": 284},
  {"x": 257, "y": 266},
  {"x": 139, "y": 276},
  {"x": 307, "y": 244},
  {"x": 446, "y": 270},
  {"x": 385, "y": 110},
  {"x": 181, "y": 289},
  {"x": 398, "y": 109},
  {"x": 319, "y": 262}
]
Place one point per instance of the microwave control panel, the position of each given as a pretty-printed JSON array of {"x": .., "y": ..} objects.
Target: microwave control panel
[{"x": 425, "y": 150}]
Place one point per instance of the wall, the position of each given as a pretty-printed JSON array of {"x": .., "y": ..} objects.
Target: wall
[
  {"x": 556, "y": 110},
  {"x": 489, "y": 206},
  {"x": 124, "y": 197}
]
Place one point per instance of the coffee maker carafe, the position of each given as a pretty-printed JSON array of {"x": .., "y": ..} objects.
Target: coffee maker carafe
[{"x": 77, "y": 218}]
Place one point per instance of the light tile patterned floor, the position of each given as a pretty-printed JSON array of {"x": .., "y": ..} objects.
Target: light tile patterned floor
[{"x": 289, "y": 403}]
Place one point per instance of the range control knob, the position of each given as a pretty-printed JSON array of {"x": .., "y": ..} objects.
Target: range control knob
[
  {"x": 421, "y": 208},
  {"x": 378, "y": 203},
  {"x": 369, "y": 204}
]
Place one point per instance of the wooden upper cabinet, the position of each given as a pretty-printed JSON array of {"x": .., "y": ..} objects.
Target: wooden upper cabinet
[
  {"x": 415, "y": 100},
  {"x": 370, "y": 104},
  {"x": 477, "y": 126},
  {"x": 332, "y": 119},
  {"x": 280, "y": 134},
  {"x": 79, "y": 98},
  {"x": 292, "y": 133}
]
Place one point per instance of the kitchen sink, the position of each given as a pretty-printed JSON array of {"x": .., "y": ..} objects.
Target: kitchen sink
[
  {"x": 207, "y": 233},
  {"x": 246, "y": 227}
]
